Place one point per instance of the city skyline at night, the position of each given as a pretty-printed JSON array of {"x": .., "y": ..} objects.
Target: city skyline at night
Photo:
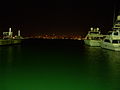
[{"x": 57, "y": 16}]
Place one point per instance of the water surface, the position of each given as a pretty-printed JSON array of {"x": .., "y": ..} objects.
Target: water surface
[{"x": 58, "y": 65}]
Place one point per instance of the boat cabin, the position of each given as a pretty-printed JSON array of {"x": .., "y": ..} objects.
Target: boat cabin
[
  {"x": 94, "y": 34},
  {"x": 112, "y": 41},
  {"x": 114, "y": 33},
  {"x": 91, "y": 32}
]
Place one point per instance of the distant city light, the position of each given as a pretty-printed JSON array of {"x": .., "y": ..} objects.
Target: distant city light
[{"x": 55, "y": 36}]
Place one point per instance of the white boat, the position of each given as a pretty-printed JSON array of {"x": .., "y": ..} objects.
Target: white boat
[
  {"x": 112, "y": 40},
  {"x": 94, "y": 37},
  {"x": 5, "y": 42},
  {"x": 8, "y": 39}
]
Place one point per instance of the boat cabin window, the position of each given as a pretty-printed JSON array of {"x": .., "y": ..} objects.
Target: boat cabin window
[
  {"x": 94, "y": 32},
  {"x": 118, "y": 22},
  {"x": 94, "y": 38},
  {"x": 87, "y": 37},
  {"x": 109, "y": 33},
  {"x": 102, "y": 37},
  {"x": 106, "y": 40},
  {"x": 116, "y": 41},
  {"x": 97, "y": 38},
  {"x": 115, "y": 33},
  {"x": 117, "y": 25}
]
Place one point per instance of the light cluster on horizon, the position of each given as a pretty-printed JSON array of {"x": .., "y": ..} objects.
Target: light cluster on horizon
[{"x": 46, "y": 36}]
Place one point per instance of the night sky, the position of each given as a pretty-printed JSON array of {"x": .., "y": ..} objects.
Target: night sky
[{"x": 57, "y": 16}]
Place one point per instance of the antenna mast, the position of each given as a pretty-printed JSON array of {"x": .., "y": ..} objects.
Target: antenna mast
[{"x": 114, "y": 14}]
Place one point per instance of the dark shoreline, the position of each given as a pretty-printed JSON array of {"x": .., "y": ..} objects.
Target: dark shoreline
[{"x": 52, "y": 42}]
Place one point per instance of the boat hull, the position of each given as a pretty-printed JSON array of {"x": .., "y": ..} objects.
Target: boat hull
[
  {"x": 5, "y": 42},
  {"x": 10, "y": 41},
  {"x": 110, "y": 46},
  {"x": 16, "y": 41},
  {"x": 96, "y": 43}
]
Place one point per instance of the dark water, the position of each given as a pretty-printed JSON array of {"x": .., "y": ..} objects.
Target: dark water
[{"x": 58, "y": 65}]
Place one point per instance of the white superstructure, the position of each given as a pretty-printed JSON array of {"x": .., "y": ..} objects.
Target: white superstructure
[
  {"x": 9, "y": 39},
  {"x": 94, "y": 37},
  {"x": 112, "y": 40}
]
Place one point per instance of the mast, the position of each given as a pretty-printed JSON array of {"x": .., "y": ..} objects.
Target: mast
[
  {"x": 115, "y": 9},
  {"x": 114, "y": 15},
  {"x": 9, "y": 31},
  {"x": 18, "y": 32}
]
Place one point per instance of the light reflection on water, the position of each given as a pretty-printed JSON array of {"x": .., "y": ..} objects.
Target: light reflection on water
[
  {"x": 105, "y": 65},
  {"x": 114, "y": 65},
  {"x": 33, "y": 68}
]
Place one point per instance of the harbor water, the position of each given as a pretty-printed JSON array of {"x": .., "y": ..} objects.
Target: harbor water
[{"x": 58, "y": 65}]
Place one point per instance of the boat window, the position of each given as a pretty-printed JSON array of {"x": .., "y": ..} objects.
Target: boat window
[
  {"x": 115, "y": 41},
  {"x": 118, "y": 22},
  {"x": 87, "y": 37},
  {"x": 94, "y": 32},
  {"x": 115, "y": 33},
  {"x": 106, "y": 40},
  {"x": 96, "y": 38},
  {"x": 101, "y": 38},
  {"x": 117, "y": 26},
  {"x": 109, "y": 33}
]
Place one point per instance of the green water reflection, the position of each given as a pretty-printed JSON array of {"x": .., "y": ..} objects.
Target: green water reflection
[{"x": 40, "y": 68}]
